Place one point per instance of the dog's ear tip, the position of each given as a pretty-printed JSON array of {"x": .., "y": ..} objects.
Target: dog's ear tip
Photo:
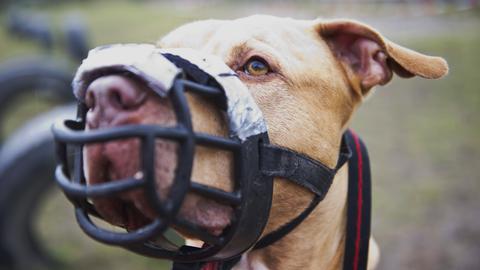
[
  {"x": 416, "y": 64},
  {"x": 433, "y": 67},
  {"x": 443, "y": 68},
  {"x": 439, "y": 69}
]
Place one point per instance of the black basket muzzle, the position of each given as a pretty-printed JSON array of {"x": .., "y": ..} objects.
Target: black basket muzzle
[{"x": 250, "y": 198}]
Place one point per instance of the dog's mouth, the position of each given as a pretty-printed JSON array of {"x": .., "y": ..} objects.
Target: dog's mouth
[
  {"x": 131, "y": 210},
  {"x": 122, "y": 213},
  {"x": 121, "y": 159}
]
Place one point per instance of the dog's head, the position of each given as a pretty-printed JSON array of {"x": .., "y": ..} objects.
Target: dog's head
[{"x": 307, "y": 77}]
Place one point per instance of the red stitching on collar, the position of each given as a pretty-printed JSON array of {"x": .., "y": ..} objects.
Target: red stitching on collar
[
  {"x": 359, "y": 202},
  {"x": 210, "y": 266}
]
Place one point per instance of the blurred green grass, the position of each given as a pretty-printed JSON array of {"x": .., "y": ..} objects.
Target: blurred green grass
[{"x": 423, "y": 138}]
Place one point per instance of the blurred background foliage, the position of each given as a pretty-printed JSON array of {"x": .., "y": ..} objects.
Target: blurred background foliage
[{"x": 423, "y": 136}]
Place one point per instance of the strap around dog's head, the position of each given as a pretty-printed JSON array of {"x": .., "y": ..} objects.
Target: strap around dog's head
[{"x": 302, "y": 170}]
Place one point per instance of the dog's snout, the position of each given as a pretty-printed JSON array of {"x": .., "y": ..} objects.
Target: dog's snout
[
  {"x": 115, "y": 91},
  {"x": 109, "y": 96}
]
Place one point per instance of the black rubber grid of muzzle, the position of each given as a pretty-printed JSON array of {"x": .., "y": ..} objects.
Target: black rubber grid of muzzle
[{"x": 135, "y": 241}]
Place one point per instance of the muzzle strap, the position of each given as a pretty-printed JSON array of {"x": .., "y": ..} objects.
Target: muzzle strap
[
  {"x": 300, "y": 169},
  {"x": 304, "y": 171}
]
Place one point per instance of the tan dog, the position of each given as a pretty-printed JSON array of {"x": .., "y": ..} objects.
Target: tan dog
[{"x": 308, "y": 77}]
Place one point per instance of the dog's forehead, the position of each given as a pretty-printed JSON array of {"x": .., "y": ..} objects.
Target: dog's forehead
[
  {"x": 266, "y": 23},
  {"x": 215, "y": 35}
]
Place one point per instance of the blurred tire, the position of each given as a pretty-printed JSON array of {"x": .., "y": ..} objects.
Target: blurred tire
[
  {"x": 27, "y": 162},
  {"x": 38, "y": 76}
]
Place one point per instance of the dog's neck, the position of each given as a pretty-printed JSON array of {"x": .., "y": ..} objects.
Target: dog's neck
[{"x": 318, "y": 243}]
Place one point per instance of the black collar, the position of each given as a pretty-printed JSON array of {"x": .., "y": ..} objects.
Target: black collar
[{"x": 359, "y": 205}]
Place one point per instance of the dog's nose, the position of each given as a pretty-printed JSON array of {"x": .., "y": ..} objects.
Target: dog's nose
[{"x": 112, "y": 96}]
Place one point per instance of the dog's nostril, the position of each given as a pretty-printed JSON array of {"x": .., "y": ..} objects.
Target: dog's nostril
[
  {"x": 124, "y": 97},
  {"x": 117, "y": 92},
  {"x": 116, "y": 99},
  {"x": 90, "y": 100}
]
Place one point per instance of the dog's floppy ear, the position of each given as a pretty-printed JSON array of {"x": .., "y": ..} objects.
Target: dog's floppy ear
[{"x": 370, "y": 59}]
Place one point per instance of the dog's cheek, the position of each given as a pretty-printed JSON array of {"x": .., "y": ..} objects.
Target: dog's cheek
[
  {"x": 281, "y": 110},
  {"x": 213, "y": 167},
  {"x": 288, "y": 201},
  {"x": 165, "y": 166},
  {"x": 124, "y": 157}
]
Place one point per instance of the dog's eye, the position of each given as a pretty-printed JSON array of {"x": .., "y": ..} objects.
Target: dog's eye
[{"x": 256, "y": 67}]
